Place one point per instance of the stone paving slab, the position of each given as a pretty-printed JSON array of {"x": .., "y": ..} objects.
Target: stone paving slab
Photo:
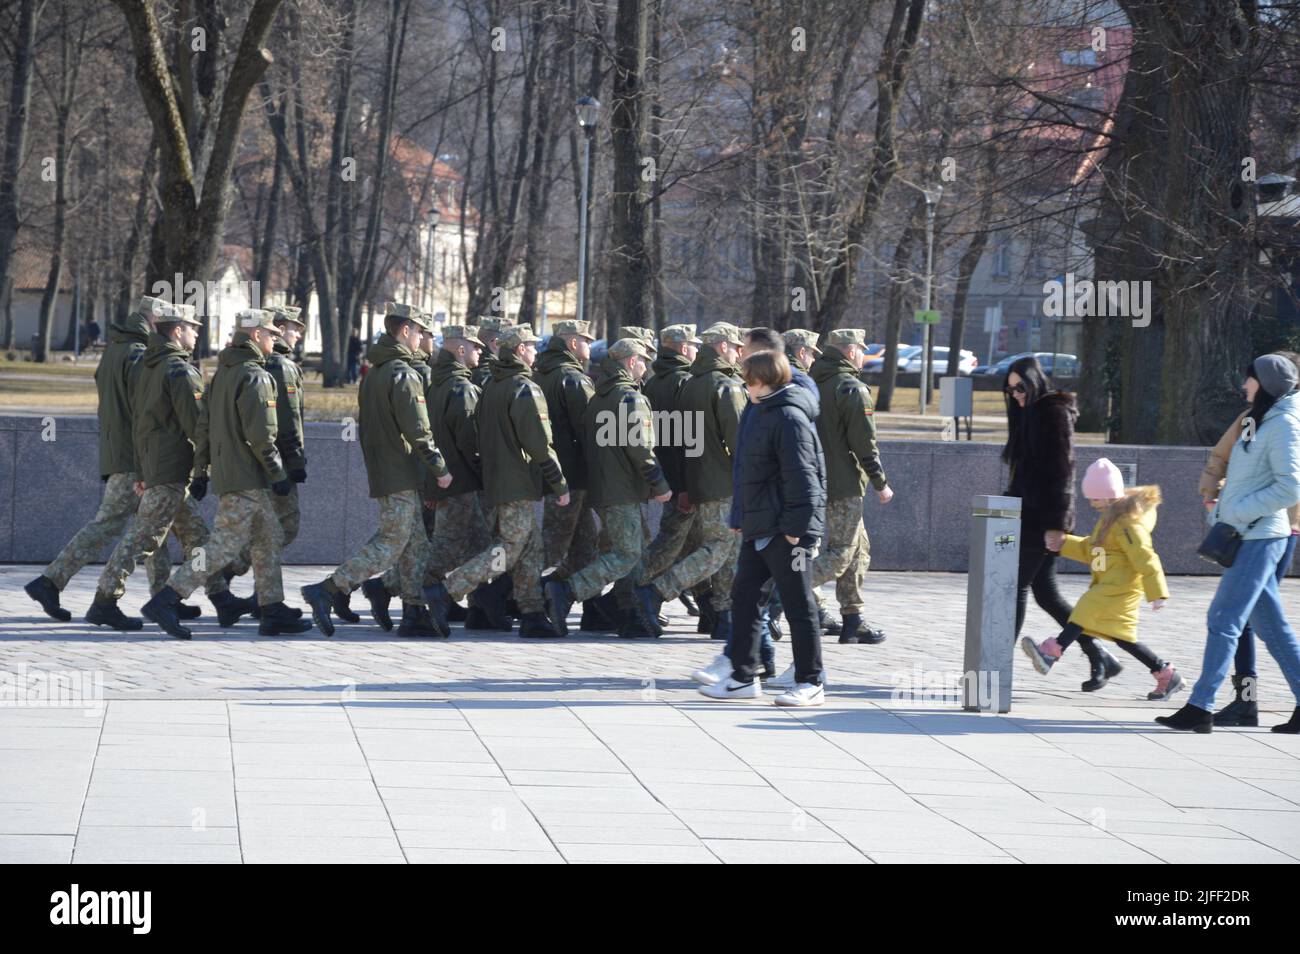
[{"x": 367, "y": 748}]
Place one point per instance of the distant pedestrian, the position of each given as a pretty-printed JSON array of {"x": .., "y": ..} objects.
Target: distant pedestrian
[{"x": 354, "y": 357}]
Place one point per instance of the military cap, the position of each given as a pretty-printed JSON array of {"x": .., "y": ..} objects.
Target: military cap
[
  {"x": 679, "y": 334},
  {"x": 397, "y": 309},
  {"x": 489, "y": 326},
  {"x": 512, "y": 336},
  {"x": 641, "y": 334},
  {"x": 288, "y": 313},
  {"x": 151, "y": 307},
  {"x": 465, "y": 332},
  {"x": 802, "y": 338},
  {"x": 844, "y": 337},
  {"x": 170, "y": 312},
  {"x": 722, "y": 331},
  {"x": 250, "y": 319},
  {"x": 567, "y": 329},
  {"x": 627, "y": 347}
]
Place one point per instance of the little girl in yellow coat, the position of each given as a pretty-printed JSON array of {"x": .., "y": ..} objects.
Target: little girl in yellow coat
[{"x": 1125, "y": 567}]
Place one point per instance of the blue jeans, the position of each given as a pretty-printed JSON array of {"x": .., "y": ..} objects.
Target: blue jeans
[
  {"x": 1244, "y": 664},
  {"x": 1247, "y": 593}
]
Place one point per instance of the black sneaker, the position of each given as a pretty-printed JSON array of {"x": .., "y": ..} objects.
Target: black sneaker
[{"x": 43, "y": 591}]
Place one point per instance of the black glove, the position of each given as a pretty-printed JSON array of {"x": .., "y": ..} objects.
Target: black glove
[
  {"x": 199, "y": 488},
  {"x": 282, "y": 487},
  {"x": 298, "y": 475}
]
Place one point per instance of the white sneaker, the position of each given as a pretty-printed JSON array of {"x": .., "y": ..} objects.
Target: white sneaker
[
  {"x": 715, "y": 671},
  {"x": 728, "y": 688},
  {"x": 783, "y": 681},
  {"x": 804, "y": 694}
]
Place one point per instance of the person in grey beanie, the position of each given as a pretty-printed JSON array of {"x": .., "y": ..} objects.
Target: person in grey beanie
[{"x": 1263, "y": 481}]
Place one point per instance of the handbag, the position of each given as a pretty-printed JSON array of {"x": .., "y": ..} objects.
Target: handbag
[{"x": 1222, "y": 543}]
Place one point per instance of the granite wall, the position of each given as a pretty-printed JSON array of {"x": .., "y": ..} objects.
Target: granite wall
[{"x": 49, "y": 487}]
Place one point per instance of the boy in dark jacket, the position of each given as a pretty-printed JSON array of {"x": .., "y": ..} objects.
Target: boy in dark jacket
[{"x": 781, "y": 517}]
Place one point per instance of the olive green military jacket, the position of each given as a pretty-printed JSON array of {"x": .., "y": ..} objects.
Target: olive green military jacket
[
  {"x": 559, "y": 374},
  {"x": 618, "y": 430},
  {"x": 167, "y": 394},
  {"x": 288, "y": 407},
  {"x": 670, "y": 371},
  {"x": 396, "y": 441},
  {"x": 847, "y": 428},
  {"x": 126, "y": 346},
  {"x": 239, "y": 425},
  {"x": 715, "y": 397},
  {"x": 514, "y": 437},
  {"x": 453, "y": 406}
]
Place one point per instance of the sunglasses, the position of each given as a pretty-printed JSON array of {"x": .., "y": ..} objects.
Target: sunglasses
[{"x": 1015, "y": 389}]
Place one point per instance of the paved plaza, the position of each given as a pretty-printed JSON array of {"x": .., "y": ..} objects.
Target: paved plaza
[{"x": 366, "y": 747}]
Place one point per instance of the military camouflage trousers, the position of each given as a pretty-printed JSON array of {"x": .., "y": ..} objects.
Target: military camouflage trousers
[
  {"x": 162, "y": 507},
  {"x": 845, "y": 553},
  {"x": 245, "y": 518},
  {"x": 460, "y": 530},
  {"x": 116, "y": 508},
  {"x": 516, "y": 548},
  {"x": 568, "y": 533},
  {"x": 287, "y": 512},
  {"x": 666, "y": 547},
  {"x": 713, "y": 558},
  {"x": 399, "y": 541},
  {"x": 392, "y": 577},
  {"x": 621, "y": 544}
]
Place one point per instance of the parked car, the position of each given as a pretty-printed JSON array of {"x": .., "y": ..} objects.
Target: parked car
[
  {"x": 1066, "y": 365},
  {"x": 939, "y": 361},
  {"x": 905, "y": 353}
]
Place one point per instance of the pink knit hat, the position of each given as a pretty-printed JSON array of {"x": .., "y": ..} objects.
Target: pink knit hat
[{"x": 1103, "y": 481}]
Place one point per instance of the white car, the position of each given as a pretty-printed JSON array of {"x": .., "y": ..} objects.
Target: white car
[
  {"x": 905, "y": 353},
  {"x": 939, "y": 361}
]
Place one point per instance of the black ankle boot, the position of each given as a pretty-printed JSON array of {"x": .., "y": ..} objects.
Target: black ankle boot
[
  {"x": 559, "y": 600},
  {"x": 1292, "y": 725},
  {"x": 692, "y": 608},
  {"x": 1243, "y": 710},
  {"x": 417, "y": 622},
  {"x": 43, "y": 591},
  {"x": 705, "y": 623},
  {"x": 186, "y": 611},
  {"x": 1189, "y": 718},
  {"x": 1103, "y": 667},
  {"x": 279, "y": 620},
  {"x": 830, "y": 625},
  {"x": 601, "y": 615},
  {"x": 161, "y": 609},
  {"x": 537, "y": 626},
  {"x": 456, "y": 613},
  {"x": 104, "y": 612},
  {"x": 633, "y": 628},
  {"x": 721, "y": 625},
  {"x": 320, "y": 601},
  {"x": 229, "y": 608},
  {"x": 375, "y": 591}
]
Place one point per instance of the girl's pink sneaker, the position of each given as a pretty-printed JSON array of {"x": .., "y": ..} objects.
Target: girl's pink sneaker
[
  {"x": 1043, "y": 655},
  {"x": 1167, "y": 683}
]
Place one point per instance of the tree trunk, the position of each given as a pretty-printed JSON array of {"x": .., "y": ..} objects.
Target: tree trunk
[
  {"x": 20, "y": 94},
  {"x": 900, "y": 277}
]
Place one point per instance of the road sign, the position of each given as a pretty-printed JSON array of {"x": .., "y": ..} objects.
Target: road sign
[{"x": 924, "y": 317}]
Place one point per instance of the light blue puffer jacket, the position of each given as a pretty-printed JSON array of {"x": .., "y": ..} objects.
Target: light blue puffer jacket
[{"x": 1264, "y": 475}]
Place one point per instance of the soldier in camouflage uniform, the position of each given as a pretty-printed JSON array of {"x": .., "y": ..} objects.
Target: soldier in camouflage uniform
[
  {"x": 398, "y": 447},
  {"x": 514, "y": 439},
  {"x": 166, "y": 397},
  {"x": 618, "y": 428},
  {"x": 237, "y": 431},
  {"x": 489, "y": 332},
  {"x": 716, "y": 398},
  {"x": 117, "y": 465},
  {"x": 568, "y": 533},
  {"x": 847, "y": 428}
]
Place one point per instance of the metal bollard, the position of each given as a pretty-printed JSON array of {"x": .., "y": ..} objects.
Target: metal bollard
[{"x": 991, "y": 603}]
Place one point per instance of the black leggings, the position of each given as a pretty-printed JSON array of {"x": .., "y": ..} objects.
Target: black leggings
[
  {"x": 1038, "y": 575},
  {"x": 1139, "y": 651}
]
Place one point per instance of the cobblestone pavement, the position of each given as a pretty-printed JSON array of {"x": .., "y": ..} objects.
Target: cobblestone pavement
[{"x": 365, "y": 747}]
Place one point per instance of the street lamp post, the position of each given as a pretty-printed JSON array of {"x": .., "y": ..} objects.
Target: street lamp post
[
  {"x": 932, "y": 195},
  {"x": 429, "y": 283},
  {"x": 588, "y": 109}
]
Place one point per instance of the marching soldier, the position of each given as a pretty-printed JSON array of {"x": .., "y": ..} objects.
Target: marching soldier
[
  {"x": 678, "y": 346},
  {"x": 489, "y": 332},
  {"x": 514, "y": 437},
  {"x": 117, "y": 466},
  {"x": 167, "y": 398},
  {"x": 397, "y": 446},
  {"x": 619, "y": 435},
  {"x": 568, "y": 533},
  {"x": 237, "y": 432},
  {"x": 715, "y": 397},
  {"x": 847, "y": 429}
]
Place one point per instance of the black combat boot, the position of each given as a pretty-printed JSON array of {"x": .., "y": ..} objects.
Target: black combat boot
[
  {"x": 230, "y": 608},
  {"x": 43, "y": 591},
  {"x": 559, "y": 600},
  {"x": 601, "y": 615},
  {"x": 687, "y": 600},
  {"x": 1291, "y": 726},
  {"x": 295, "y": 612},
  {"x": 831, "y": 626},
  {"x": 320, "y": 600},
  {"x": 417, "y": 622},
  {"x": 705, "y": 623},
  {"x": 375, "y": 591},
  {"x": 852, "y": 630},
  {"x": 161, "y": 609},
  {"x": 646, "y": 601},
  {"x": 456, "y": 613},
  {"x": 1243, "y": 710},
  {"x": 341, "y": 604},
  {"x": 633, "y": 628},
  {"x": 437, "y": 599},
  {"x": 1189, "y": 718},
  {"x": 491, "y": 599},
  {"x": 279, "y": 620},
  {"x": 104, "y": 612},
  {"x": 186, "y": 611},
  {"x": 537, "y": 626},
  {"x": 721, "y": 625}
]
